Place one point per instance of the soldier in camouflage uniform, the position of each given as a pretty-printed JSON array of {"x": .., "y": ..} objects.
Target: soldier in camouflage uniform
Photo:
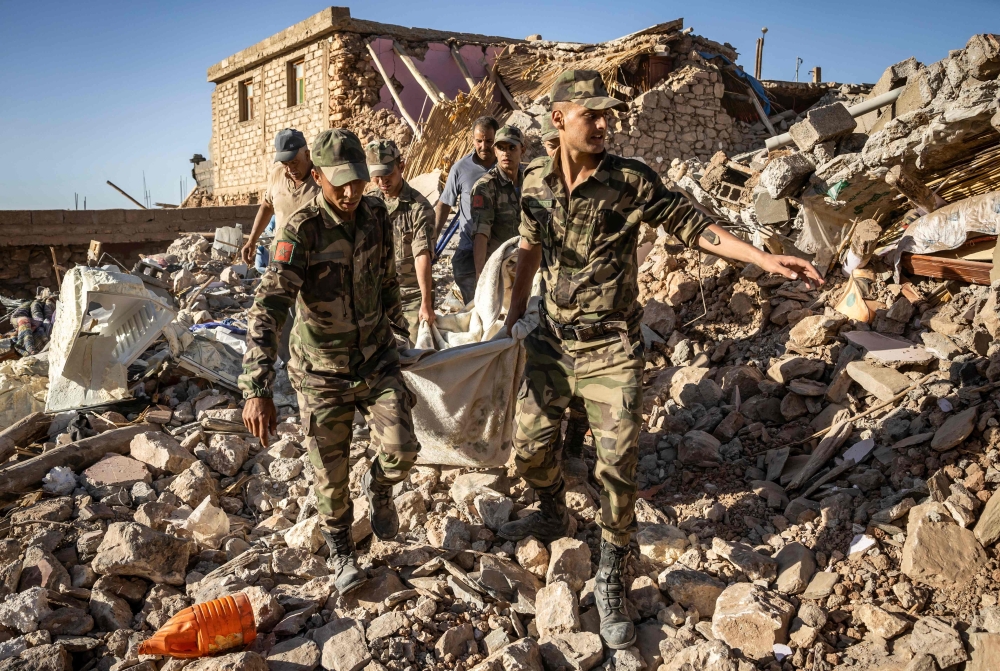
[
  {"x": 581, "y": 214},
  {"x": 496, "y": 197},
  {"x": 412, "y": 226},
  {"x": 334, "y": 261},
  {"x": 576, "y": 413}
]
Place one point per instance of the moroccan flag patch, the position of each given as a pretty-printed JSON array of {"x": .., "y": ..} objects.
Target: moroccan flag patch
[
  {"x": 283, "y": 252},
  {"x": 478, "y": 201}
]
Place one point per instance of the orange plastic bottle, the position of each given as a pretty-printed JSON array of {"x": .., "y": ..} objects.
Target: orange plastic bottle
[{"x": 205, "y": 629}]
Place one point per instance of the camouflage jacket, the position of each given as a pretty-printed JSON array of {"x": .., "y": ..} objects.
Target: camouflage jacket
[
  {"x": 589, "y": 241},
  {"x": 341, "y": 278},
  {"x": 412, "y": 232},
  {"x": 496, "y": 206}
]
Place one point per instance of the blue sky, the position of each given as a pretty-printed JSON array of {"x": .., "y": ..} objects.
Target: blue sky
[{"x": 91, "y": 91}]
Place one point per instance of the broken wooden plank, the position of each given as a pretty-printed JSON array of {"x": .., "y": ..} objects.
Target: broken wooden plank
[
  {"x": 392, "y": 91},
  {"x": 925, "y": 265},
  {"x": 915, "y": 191},
  {"x": 76, "y": 455},
  {"x": 495, "y": 78},
  {"x": 433, "y": 92},
  {"x": 462, "y": 66},
  {"x": 23, "y": 433}
]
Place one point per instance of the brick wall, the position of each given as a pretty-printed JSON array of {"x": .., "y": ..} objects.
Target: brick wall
[
  {"x": 26, "y": 237},
  {"x": 342, "y": 90},
  {"x": 681, "y": 117}
]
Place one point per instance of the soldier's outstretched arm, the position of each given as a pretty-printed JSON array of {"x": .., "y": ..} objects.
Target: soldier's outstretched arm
[
  {"x": 721, "y": 242},
  {"x": 680, "y": 217}
]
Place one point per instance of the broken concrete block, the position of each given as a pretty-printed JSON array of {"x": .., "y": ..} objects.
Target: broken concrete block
[
  {"x": 772, "y": 210},
  {"x": 830, "y": 122},
  {"x": 556, "y": 610},
  {"x": 938, "y": 552},
  {"x": 23, "y": 611},
  {"x": 883, "y": 383},
  {"x": 784, "y": 175},
  {"x": 569, "y": 562},
  {"x": 160, "y": 451},
  {"x": 982, "y": 56},
  {"x": 132, "y": 549},
  {"x": 752, "y": 619}
]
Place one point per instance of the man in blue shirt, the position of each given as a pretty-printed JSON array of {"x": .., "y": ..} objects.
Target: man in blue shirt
[{"x": 458, "y": 191}]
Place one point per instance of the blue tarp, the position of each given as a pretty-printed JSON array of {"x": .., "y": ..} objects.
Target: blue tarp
[
  {"x": 738, "y": 71},
  {"x": 229, "y": 324}
]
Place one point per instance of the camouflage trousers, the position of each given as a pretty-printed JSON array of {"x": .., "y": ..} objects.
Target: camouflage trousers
[
  {"x": 328, "y": 422},
  {"x": 610, "y": 385},
  {"x": 411, "y": 313}
]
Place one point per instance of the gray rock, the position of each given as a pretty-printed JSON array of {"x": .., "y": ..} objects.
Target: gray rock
[
  {"x": 22, "y": 612},
  {"x": 556, "y": 609},
  {"x": 753, "y": 564},
  {"x": 692, "y": 588},
  {"x": 295, "y": 654},
  {"x": 342, "y": 642},
  {"x": 50, "y": 657},
  {"x": 237, "y": 661},
  {"x": 955, "y": 429},
  {"x": 937, "y": 551},
  {"x": 796, "y": 566},
  {"x": 933, "y": 637},
  {"x": 752, "y": 619},
  {"x": 454, "y": 641},
  {"x": 110, "y": 612},
  {"x": 580, "y": 651},
  {"x": 569, "y": 561},
  {"x": 136, "y": 550}
]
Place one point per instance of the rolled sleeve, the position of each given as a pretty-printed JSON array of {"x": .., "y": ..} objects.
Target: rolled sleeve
[
  {"x": 529, "y": 228},
  {"x": 483, "y": 209},
  {"x": 266, "y": 318},
  {"x": 675, "y": 213},
  {"x": 450, "y": 194},
  {"x": 423, "y": 225}
]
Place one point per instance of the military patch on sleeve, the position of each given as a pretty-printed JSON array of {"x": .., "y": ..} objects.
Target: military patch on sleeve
[
  {"x": 478, "y": 201},
  {"x": 283, "y": 252}
]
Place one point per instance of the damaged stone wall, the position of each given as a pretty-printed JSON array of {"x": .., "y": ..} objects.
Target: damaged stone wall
[
  {"x": 682, "y": 116},
  {"x": 342, "y": 90}
]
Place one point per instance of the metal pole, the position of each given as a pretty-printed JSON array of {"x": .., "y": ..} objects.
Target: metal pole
[
  {"x": 119, "y": 190},
  {"x": 798, "y": 62},
  {"x": 856, "y": 111}
]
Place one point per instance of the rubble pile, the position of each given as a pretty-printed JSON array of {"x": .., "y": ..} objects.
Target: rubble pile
[
  {"x": 836, "y": 170},
  {"x": 816, "y": 491}
]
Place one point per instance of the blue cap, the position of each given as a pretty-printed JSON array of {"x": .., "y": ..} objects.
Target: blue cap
[{"x": 287, "y": 144}]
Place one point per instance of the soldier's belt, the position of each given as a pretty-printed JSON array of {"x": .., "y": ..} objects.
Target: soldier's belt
[{"x": 585, "y": 332}]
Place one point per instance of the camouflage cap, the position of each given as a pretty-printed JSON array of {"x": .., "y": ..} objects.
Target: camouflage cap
[
  {"x": 584, "y": 87},
  {"x": 511, "y": 134},
  {"x": 382, "y": 156},
  {"x": 338, "y": 153},
  {"x": 549, "y": 132}
]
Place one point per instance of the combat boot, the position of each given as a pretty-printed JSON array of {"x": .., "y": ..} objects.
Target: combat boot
[
  {"x": 381, "y": 509},
  {"x": 346, "y": 574},
  {"x": 547, "y": 524},
  {"x": 617, "y": 629}
]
